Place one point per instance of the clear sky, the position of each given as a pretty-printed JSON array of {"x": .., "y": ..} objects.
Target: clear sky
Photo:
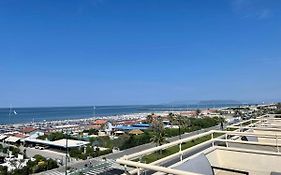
[{"x": 112, "y": 52}]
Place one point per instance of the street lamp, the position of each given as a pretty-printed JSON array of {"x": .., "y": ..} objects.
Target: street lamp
[{"x": 66, "y": 152}]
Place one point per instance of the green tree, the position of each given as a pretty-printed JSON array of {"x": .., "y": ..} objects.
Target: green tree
[
  {"x": 159, "y": 135},
  {"x": 15, "y": 151},
  {"x": 39, "y": 158},
  {"x": 55, "y": 136},
  {"x": 171, "y": 118},
  {"x": 149, "y": 118},
  {"x": 198, "y": 111},
  {"x": 89, "y": 151},
  {"x": 51, "y": 164}
]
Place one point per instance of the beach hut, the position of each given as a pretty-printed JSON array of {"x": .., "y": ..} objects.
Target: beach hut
[{"x": 136, "y": 132}]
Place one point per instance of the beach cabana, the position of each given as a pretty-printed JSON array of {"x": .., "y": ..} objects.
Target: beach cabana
[{"x": 136, "y": 132}]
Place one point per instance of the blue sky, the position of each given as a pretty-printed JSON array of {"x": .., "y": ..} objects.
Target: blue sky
[{"x": 107, "y": 52}]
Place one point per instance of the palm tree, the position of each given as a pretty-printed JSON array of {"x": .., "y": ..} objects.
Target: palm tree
[
  {"x": 171, "y": 118},
  {"x": 221, "y": 120},
  {"x": 159, "y": 138},
  {"x": 149, "y": 118},
  {"x": 237, "y": 113},
  {"x": 197, "y": 112},
  {"x": 159, "y": 135},
  {"x": 181, "y": 121}
]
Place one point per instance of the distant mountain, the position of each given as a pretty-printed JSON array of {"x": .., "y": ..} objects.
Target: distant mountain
[
  {"x": 182, "y": 102},
  {"x": 214, "y": 102},
  {"x": 203, "y": 102}
]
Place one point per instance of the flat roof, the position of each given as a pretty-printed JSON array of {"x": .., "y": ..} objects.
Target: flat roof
[
  {"x": 58, "y": 143},
  {"x": 65, "y": 126},
  {"x": 2, "y": 137},
  {"x": 129, "y": 127},
  {"x": 12, "y": 139}
]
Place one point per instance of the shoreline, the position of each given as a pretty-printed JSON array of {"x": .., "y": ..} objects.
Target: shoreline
[{"x": 116, "y": 117}]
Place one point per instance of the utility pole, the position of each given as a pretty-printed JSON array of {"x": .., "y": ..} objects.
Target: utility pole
[
  {"x": 66, "y": 152},
  {"x": 179, "y": 122}
]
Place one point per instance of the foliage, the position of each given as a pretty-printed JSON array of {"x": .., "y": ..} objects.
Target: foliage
[
  {"x": 188, "y": 125},
  {"x": 104, "y": 142},
  {"x": 121, "y": 141},
  {"x": 3, "y": 170},
  {"x": 89, "y": 152},
  {"x": 126, "y": 141},
  {"x": 77, "y": 153},
  {"x": 55, "y": 136},
  {"x": 38, "y": 165},
  {"x": 41, "y": 164},
  {"x": 91, "y": 131},
  {"x": 159, "y": 135},
  {"x": 52, "y": 136},
  {"x": 172, "y": 150},
  {"x": 198, "y": 111},
  {"x": 15, "y": 151},
  {"x": 5, "y": 150},
  {"x": 149, "y": 118}
]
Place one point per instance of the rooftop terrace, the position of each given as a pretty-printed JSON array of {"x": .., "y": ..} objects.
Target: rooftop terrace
[{"x": 251, "y": 147}]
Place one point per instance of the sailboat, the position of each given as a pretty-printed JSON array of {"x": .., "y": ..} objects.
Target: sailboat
[
  {"x": 94, "y": 111},
  {"x": 14, "y": 111}
]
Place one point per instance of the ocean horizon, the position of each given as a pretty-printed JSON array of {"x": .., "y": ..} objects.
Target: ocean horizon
[{"x": 39, "y": 114}]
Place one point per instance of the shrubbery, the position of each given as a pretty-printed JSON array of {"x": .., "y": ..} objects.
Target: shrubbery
[
  {"x": 41, "y": 164},
  {"x": 52, "y": 136},
  {"x": 38, "y": 165},
  {"x": 91, "y": 131},
  {"x": 90, "y": 152},
  {"x": 194, "y": 124}
]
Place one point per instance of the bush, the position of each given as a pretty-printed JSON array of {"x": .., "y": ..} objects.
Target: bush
[
  {"x": 91, "y": 131},
  {"x": 3, "y": 170},
  {"x": 41, "y": 164},
  {"x": 55, "y": 136},
  {"x": 51, "y": 164},
  {"x": 15, "y": 151},
  {"x": 135, "y": 140}
]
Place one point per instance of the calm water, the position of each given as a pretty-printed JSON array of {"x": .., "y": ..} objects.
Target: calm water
[{"x": 25, "y": 115}]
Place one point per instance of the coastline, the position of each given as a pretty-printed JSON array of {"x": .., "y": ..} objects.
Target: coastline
[{"x": 120, "y": 115}]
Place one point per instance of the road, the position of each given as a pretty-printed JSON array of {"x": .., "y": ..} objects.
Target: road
[
  {"x": 113, "y": 156},
  {"x": 143, "y": 147},
  {"x": 30, "y": 152}
]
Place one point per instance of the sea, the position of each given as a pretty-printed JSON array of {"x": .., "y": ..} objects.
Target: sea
[{"x": 39, "y": 114}]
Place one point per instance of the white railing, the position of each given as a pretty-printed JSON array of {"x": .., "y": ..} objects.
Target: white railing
[{"x": 127, "y": 160}]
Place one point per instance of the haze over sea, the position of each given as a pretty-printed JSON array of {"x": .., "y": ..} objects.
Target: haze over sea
[{"x": 39, "y": 114}]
